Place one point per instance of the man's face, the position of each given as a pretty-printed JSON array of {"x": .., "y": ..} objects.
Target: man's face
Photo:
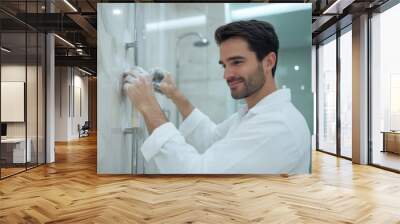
[{"x": 243, "y": 72}]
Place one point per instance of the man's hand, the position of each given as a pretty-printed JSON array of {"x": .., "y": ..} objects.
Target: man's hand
[
  {"x": 140, "y": 92},
  {"x": 168, "y": 87}
]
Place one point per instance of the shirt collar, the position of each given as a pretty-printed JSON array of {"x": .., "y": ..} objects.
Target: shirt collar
[{"x": 276, "y": 97}]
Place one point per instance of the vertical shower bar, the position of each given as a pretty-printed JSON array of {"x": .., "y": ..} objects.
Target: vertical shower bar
[
  {"x": 138, "y": 32},
  {"x": 136, "y": 132}
]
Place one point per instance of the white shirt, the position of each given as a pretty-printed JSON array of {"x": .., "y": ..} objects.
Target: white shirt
[{"x": 270, "y": 138}]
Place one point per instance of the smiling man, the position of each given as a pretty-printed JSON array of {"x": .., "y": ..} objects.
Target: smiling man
[{"x": 268, "y": 136}]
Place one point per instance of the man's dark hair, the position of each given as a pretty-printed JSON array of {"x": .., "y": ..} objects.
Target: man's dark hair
[{"x": 260, "y": 36}]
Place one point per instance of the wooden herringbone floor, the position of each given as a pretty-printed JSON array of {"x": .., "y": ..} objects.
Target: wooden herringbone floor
[{"x": 70, "y": 191}]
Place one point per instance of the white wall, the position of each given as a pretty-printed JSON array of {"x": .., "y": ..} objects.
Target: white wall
[
  {"x": 12, "y": 73},
  {"x": 68, "y": 81},
  {"x": 79, "y": 117},
  {"x": 61, "y": 103}
]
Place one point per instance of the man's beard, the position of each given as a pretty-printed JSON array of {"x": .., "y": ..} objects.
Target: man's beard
[{"x": 252, "y": 84}]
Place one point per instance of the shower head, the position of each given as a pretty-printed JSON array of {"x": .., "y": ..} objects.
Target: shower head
[
  {"x": 200, "y": 42},
  {"x": 203, "y": 42}
]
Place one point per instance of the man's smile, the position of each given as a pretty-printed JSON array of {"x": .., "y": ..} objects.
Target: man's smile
[{"x": 234, "y": 83}]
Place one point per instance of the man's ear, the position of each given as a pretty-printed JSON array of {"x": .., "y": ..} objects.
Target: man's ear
[{"x": 269, "y": 62}]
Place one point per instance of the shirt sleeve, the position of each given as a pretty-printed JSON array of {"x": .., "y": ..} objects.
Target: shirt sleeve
[
  {"x": 258, "y": 147},
  {"x": 199, "y": 131}
]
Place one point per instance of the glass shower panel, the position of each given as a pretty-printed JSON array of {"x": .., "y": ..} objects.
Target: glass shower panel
[
  {"x": 14, "y": 151},
  {"x": 327, "y": 96},
  {"x": 116, "y": 36}
]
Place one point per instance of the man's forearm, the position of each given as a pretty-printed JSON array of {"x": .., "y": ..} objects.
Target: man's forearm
[
  {"x": 183, "y": 104},
  {"x": 154, "y": 117}
]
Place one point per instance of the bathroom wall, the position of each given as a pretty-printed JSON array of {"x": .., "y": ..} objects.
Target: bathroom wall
[
  {"x": 115, "y": 28},
  {"x": 294, "y": 72},
  {"x": 200, "y": 74},
  {"x": 291, "y": 22}
]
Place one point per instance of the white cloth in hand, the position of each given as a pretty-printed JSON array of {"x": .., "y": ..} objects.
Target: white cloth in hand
[{"x": 132, "y": 75}]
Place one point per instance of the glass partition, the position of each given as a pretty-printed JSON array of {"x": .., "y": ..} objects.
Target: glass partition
[
  {"x": 13, "y": 103},
  {"x": 327, "y": 95},
  {"x": 346, "y": 92},
  {"x": 22, "y": 91},
  {"x": 385, "y": 89},
  {"x": 31, "y": 100},
  {"x": 41, "y": 96}
]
